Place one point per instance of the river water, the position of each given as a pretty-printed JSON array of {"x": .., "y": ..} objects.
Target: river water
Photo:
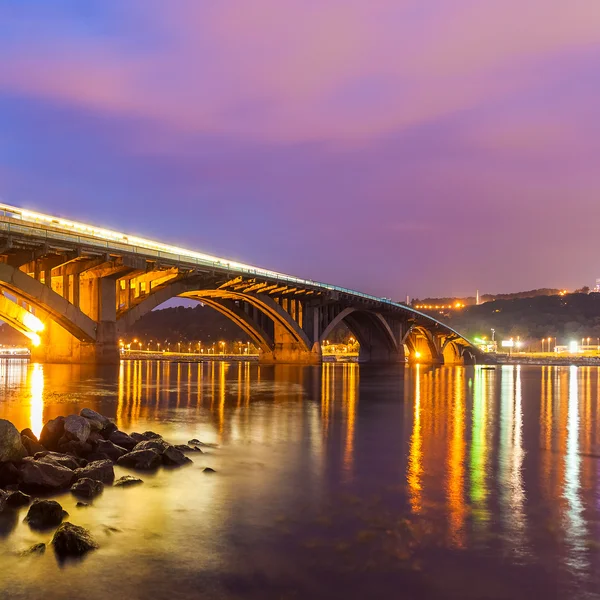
[{"x": 339, "y": 481}]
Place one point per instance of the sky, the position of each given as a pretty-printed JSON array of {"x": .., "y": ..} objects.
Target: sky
[{"x": 428, "y": 148}]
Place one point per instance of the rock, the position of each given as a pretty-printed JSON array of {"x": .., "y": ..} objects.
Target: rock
[
  {"x": 196, "y": 442},
  {"x": 52, "y": 432},
  {"x": 39, "y": 476},
  {"x": 44, "y": 514},
  {"x": 2, "y": 500},
  {"x": 92, "y": 415},
  {"x": 32, "y": 446},
  {"x": 75, "y": 447},
  {"x": 98, "y": 422},
  {"x": 110, "y": 449},
  {"x": 16, "y": 499},
  {"x": 9, "y": 474},
  {"x": 150, "y": 435},
  {"x": 96, "y": 456},
  {"x": 127, "y": 480},
  {"x": 35, "y": 549},
  {"x": 28, "y": 433},
  {"x": 82, "y": 505},
  {"x": 11, "y": 447},
  {"x": 72, "y": 540},
  {"x": 143, "y": 460},
  {"x": 56, "y": 458},
  {"x": 77, "y": 428},
  {"x": 186, "y": 448},
  {"x": 99, "y": 470},
  {"x": 173, "y": 457},
  {"x": 208, "y": 470},
  {"x": 138, "y": 437},
  {"x": 87, "y": 488},
  {"x": 155, "y": 444},
  {"x": 122, "y": 439},
  {"x": 94, "y": 438}
]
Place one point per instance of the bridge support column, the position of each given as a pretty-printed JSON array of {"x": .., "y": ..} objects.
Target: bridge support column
[
  {"x": 59, "y": 346},
  {"x": 287, "y": 350}
]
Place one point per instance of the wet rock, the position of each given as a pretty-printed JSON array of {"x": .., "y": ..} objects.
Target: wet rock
[
  {"x": 120, "y": 438},
  {"x": 28, "y": 433},
  {"x": 75, "y": 448},
  {"x": 150, "y": 435},
  {"x": 110, "y": 449},
  {"x": 2, "y": 500},
  {"x": 9, "y": 474},
  {"x": 143, "y": 460},
  {"x": 52, "y": 432},
  {"x": 194, "y": 442},
  {"x": 99, "y": 470},
  {"x": 77, "y": 428},
  {"x": 87, "y": 488},
  {"x": 94, "y": 438},
  {"x": 71, "y": 540},
  {"x": 185, "y": 448},
  {"x": 157, "y": 445},
  {"x": 127, "y": 480},
  {"x": 173, "y": 457},
  {"x": 208, "y": 470},
  {"x": 138, "y": 437},
  {"x": 98, "y": 422},
  {"x": 16, "y": 499},
  {"x": 11, "y": 447},
  {"x": 32, "y": 446},
  {"x": 56, "y": 458},
  {"x": 35, "y": 549},
  {"x": 44, "y": 514},
  {"x": 96, "y": 456},
  {"x": 39, "y": 476},
  {"x": 81, "y": 505}
]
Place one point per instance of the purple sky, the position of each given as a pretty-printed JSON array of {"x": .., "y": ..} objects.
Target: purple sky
[{"x": 396, "y": 147}]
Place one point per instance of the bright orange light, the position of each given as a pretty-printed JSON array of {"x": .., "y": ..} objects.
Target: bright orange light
[{"x": 417, "y": 355}]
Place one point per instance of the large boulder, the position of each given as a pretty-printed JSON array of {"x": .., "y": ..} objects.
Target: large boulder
[
  {"x": 11, "y": 446},
  {"x": 74, "y": 447},
  {"x": 72, "y": 540},
  {"x": 151, "y": 435},
  {"x": 16, "y": 499},
  {"x": 9, "y": 474},
  {"x": 52, "y": 432},
  {"x": 44, "y": 514},
  {"x": 99, "y": 470},
  {"x": 111, "y": 450},
  {"x": 158, "y": 445},
  {"x": 97, "y": 421},
  {"x": 43, "y": 476},
  {"x": 174, "y": 457},
  {"x": 120, "y": 438},
  {"x": 138, "y": 437},
  {"x": 63, "y": 460},
  {"x": 143, "y": 460},
  {"x": 87, "y": 488},
  {"x": 32, "y": 446},
  {"x": 77, "y": 428}
]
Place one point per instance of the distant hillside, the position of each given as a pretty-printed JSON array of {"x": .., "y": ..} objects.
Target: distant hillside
[
  {"x": 488, "y": 297},
  {"x": 572, "y": 316}
]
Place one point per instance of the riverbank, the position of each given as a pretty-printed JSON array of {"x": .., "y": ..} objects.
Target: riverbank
[{"x": 558, "y": 360}]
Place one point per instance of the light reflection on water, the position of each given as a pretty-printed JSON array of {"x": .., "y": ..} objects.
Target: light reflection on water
[{"x": 333, "y": 481}]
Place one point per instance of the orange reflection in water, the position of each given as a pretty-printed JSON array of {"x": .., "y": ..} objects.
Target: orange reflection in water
[
  {"x": 415, "y": 456},
  {"x": 350, "y": 400},
  {"x": 456, "y": 457},
  {"x": 36, "y": 387}
]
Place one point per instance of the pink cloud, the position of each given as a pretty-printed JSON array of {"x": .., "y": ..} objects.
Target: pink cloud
[{"x": 305, "y": 70}]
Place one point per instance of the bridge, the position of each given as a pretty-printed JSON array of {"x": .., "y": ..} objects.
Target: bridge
[{"x": 74, "y": 289}]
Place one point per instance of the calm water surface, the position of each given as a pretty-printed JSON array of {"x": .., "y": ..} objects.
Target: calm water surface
[{"x": 337, "y": 481}]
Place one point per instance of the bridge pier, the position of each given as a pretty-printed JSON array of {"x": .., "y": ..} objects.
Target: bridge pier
[{"x": 59, "y": 346}]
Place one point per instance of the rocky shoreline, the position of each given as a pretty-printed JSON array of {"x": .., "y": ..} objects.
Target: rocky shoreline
[{"x": 76, "y": 453}]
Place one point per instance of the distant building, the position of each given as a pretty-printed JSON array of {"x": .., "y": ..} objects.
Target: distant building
[{"x": 597, "y": 288}]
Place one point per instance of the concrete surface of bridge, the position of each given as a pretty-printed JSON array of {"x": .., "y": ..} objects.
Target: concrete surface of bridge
[{"x": 73, "y": 289}]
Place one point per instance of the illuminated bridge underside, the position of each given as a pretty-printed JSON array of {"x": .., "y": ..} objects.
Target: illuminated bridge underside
[{"x": 75, "y": 289}]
